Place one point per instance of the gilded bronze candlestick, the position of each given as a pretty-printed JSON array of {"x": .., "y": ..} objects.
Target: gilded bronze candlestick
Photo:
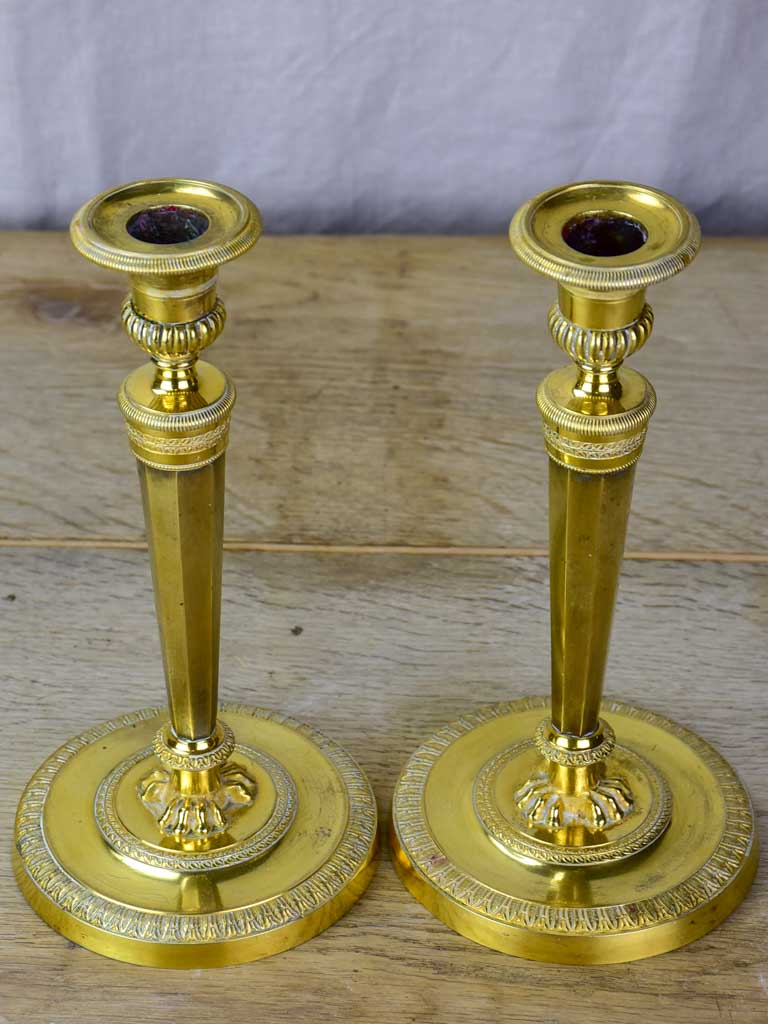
[
  {"x": 579, "y": 830},
  {"x": 193, "y": 835}
]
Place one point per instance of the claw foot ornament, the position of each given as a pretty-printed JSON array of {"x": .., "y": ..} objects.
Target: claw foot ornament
[
  {"x": 196, "y": 815},
  {"x": 544, "y": 804}
]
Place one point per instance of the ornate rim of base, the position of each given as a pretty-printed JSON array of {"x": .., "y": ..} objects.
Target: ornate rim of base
[
  {"x": 254, "y": 847},
  {"x": 517, "y": 841},
  {"x": 93, "y": 910},
  {"x": 428, "y": 860}
]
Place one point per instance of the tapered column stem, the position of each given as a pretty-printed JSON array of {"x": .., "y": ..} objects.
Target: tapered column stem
[
  {"x": 587, "y": 524},
  {"x": 184, "y": 515}
]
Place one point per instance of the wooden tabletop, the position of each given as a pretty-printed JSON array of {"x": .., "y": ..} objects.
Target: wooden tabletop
[{"x": 384, "y": 573}]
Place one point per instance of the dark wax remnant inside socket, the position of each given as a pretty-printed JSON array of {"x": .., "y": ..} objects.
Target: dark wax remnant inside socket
[
  {"x": 167, "y": 225},
  {"x": 609, "y": 234}
]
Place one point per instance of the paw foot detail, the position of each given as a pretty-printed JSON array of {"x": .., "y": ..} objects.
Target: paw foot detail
[
  {"x": 604, "y": 804},
  {"x": 199, "y": 815}
]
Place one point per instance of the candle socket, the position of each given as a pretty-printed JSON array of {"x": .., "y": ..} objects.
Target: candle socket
[
  {"x": 574, "y": 829},
  {"x": 199, "y": 835}
]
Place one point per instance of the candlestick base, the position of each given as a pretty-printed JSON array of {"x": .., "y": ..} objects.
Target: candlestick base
[
  {"x": 678, "y": 863},
  {"x": 93, "y": 863}
]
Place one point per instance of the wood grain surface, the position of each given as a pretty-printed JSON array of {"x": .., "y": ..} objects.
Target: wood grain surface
[
  {"x": 385, "y": 454},
  {"x": 378, "y": 651},
  {"x": 386, "y": 396}
]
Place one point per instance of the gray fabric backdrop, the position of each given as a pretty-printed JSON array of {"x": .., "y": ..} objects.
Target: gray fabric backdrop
[{"x": 385, "y": 115}]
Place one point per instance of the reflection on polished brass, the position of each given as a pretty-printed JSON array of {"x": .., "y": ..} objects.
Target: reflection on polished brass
[
  {"x": 197, "y": 836},
  {"x": 579, "y": 830}
]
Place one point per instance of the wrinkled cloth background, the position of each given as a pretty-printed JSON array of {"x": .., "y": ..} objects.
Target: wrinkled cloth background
[{"x": 385, "y": 115}]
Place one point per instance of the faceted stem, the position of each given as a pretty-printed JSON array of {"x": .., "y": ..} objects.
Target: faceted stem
[
  {"x": 184, "y": 514},
  {"x": 588, "y": 521}
]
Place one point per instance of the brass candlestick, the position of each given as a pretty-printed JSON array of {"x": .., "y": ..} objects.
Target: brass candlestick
[
  {"x": 193, "y": 836},
  {"x": 563, "y": 830}
]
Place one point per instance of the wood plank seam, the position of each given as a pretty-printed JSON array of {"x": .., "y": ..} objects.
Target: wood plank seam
[{"x": 126, "y": 544}]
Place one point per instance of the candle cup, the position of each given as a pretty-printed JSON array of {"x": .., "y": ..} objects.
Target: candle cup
[
  {"x": 577, "y": 829},
  {"x": 196, "y": 835}
]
